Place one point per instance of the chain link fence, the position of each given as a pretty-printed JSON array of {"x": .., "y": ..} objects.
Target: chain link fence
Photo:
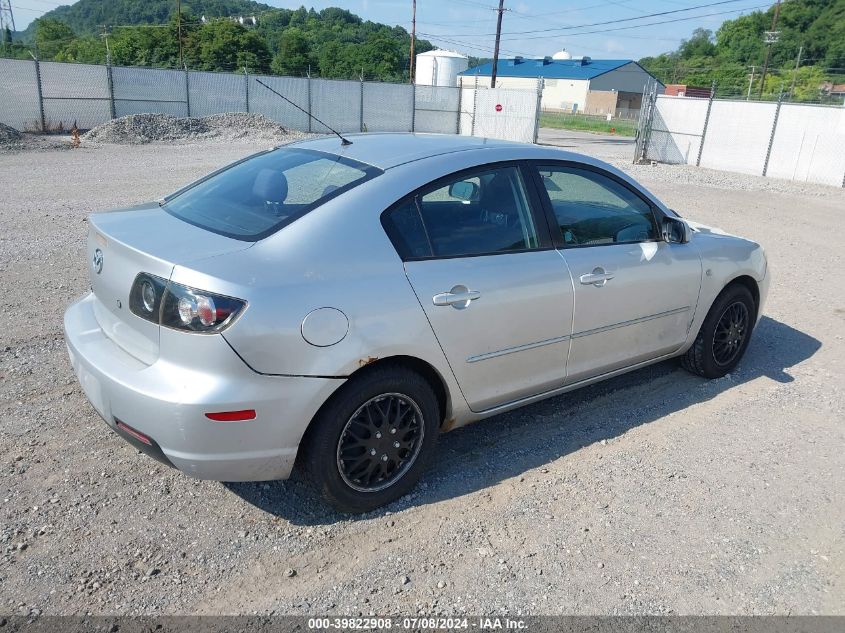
[
  {"x": 503, "y": 113},
  {"x": 53, "y": 96},
  {"x": 783, "y": 140}
]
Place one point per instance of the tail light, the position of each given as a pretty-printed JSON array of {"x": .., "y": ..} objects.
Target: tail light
[{"x": 180, "y": 307}]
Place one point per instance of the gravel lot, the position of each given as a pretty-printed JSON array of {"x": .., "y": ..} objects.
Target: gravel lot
[{"x": 656, "y": 492}]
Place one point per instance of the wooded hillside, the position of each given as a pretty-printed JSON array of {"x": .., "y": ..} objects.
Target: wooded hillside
[
  {"x": 816, "y": 27},
  {"x": 331, "y": 43}
]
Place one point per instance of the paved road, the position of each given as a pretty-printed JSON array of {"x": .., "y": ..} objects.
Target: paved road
[{"x": 599, "y": 145}]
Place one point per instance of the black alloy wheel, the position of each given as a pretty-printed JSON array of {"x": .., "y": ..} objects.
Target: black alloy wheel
[
  {"x": 372, "y": 440},
  {"x": 724, "y": 335},
  {"x": 380, "y": 442},
  {"x": 731, "y": 330}
]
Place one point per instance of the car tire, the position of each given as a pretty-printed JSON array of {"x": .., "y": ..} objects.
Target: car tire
[
  {"x": 724, "y": 335},
  {"x": 345, "y": 450}
]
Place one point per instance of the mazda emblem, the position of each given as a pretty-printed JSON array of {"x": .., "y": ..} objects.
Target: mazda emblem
[{"x": 97, "y": 261}]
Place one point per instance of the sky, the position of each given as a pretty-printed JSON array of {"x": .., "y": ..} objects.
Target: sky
[{"x": 530, "y": 28}]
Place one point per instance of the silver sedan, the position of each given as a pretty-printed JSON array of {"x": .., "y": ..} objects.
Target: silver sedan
[{"x": 338, "y": 307}]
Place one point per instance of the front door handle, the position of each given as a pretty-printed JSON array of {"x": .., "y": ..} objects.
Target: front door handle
[
  {"x": 459, "y": 297},
  {"x": 598, "y": 278}
]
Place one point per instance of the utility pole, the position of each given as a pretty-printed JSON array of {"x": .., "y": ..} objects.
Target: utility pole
[
  {"x": 771, "y": 38},
  {"x": 7, "y": 18},
  {"x": 105, "y": 37},
  {"x": 501, "y": 10},
  {"x": 7, "y": 21},
  {"x": 750, "y": 83},
  {"x": 413, "y": 37},
  {"x": 795, "y": 72},
  {"x": 179, "y": 31}
]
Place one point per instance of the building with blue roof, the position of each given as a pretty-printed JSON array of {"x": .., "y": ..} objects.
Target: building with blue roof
[{"x": 591, "y": 86}]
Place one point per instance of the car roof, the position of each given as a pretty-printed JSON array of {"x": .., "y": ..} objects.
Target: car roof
[{"x": 386, "y": 150}]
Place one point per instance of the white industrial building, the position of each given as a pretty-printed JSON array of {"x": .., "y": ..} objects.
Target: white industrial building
[{"x": 592, "y": 86}]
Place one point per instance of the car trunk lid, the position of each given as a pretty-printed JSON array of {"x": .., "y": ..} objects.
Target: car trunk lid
[{"x": 145, "y": 239}]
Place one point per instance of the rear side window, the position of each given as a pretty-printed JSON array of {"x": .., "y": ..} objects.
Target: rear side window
[
  {"x": 475, "y": 213},
  {"x": 258, "y": 196}
]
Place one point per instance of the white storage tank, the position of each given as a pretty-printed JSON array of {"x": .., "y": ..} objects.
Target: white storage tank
[{"x": 439, "y": 68}]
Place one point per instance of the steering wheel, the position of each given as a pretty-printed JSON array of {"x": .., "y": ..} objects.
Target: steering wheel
[{"x": 639, "y": 228}]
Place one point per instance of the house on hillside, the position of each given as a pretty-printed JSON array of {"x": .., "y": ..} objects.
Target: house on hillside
[
  {"x": 830, "y": 89},
  {"x": 591, "y": 86}
]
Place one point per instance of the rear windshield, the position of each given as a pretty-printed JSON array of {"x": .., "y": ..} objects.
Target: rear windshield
[{"x": 258, "y": 196}]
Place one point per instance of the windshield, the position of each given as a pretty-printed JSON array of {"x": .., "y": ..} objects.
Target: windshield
[{"x": 258, "y": 196}]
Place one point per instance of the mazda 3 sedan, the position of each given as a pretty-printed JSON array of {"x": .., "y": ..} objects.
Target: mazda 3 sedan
[{"x": 338, "y": 307}]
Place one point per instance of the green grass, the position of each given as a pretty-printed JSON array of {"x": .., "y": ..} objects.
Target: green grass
[{"x": 565, "y": 121}]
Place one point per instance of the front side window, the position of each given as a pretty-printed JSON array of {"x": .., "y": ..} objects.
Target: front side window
[
  {"x": 258, "y": 196},
  {"x": 593, "y": 209},
  {"x": 476, "y": 213}
]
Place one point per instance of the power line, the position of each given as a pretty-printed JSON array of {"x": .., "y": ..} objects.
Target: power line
[
  {"x": 638, "y": 26},
  {"x": 580, "y": 26},
  {"x": 621, "y": 28}
]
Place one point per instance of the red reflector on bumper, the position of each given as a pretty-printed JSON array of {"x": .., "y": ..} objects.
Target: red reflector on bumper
[
  {"x": 232, "y": 416},
  {"x": 136, "y": 434}
]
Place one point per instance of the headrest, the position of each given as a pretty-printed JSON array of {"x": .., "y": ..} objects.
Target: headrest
[{"x": 271, "y": 186}]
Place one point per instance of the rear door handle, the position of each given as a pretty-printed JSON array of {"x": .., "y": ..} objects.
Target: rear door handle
[
  {"x": 598, "y": 278},
  {"x": 458, "y": 297}
]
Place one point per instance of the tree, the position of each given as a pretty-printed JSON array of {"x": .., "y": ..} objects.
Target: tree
[
  {"x": 84, "y": 50},
  {"x": 294, "y": 56},
  {"x": 816, "y": 25},
  {"x": 381, "y": 57},
  {"x": 333, "y": 42},
  {"x": 51, "y": 36},
  {"x": 226, "y": 45},
  {"x": 700, "y": 44},
  {"x": 145, "y": 46}
]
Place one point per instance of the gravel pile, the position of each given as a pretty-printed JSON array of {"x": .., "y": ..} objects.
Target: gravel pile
[
  {"x": 8, "y": 135},
  {"x": 138, "y": 129}
]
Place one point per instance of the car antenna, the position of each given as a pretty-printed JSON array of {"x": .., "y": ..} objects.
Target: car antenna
[{"x": 343, "y": 141}]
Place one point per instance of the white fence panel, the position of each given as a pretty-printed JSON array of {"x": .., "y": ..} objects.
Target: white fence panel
[
  {"x": 81, "y": 93},
  {"x": 809, "y": 145},
  {"x": 213, "y": 93},
  {"x": 388, "y": 107},
  {"x": 19, "y": 95},
  {"x": 74, "y": 93},
  {"x": 265, "y": 102},
  {"x": 807, "y": 140},
  {"x": 467, "y": 111},
  {"x": 149, "y": 90},
  {"x": 505, "y": 114},
  {"x": 676, "y": 129},
  {"x": 738, "y": 134},
  {"x": 436, "y": 109},
  {"x": 337, "y": 103}
]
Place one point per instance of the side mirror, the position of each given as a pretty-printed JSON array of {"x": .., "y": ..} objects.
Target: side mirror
[
  {"x": 676, "y": 231},
  {"x": 463, "y": 190}
]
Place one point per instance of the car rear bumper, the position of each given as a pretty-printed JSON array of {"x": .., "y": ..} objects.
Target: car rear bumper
[{"x": 167, "y": 401}]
